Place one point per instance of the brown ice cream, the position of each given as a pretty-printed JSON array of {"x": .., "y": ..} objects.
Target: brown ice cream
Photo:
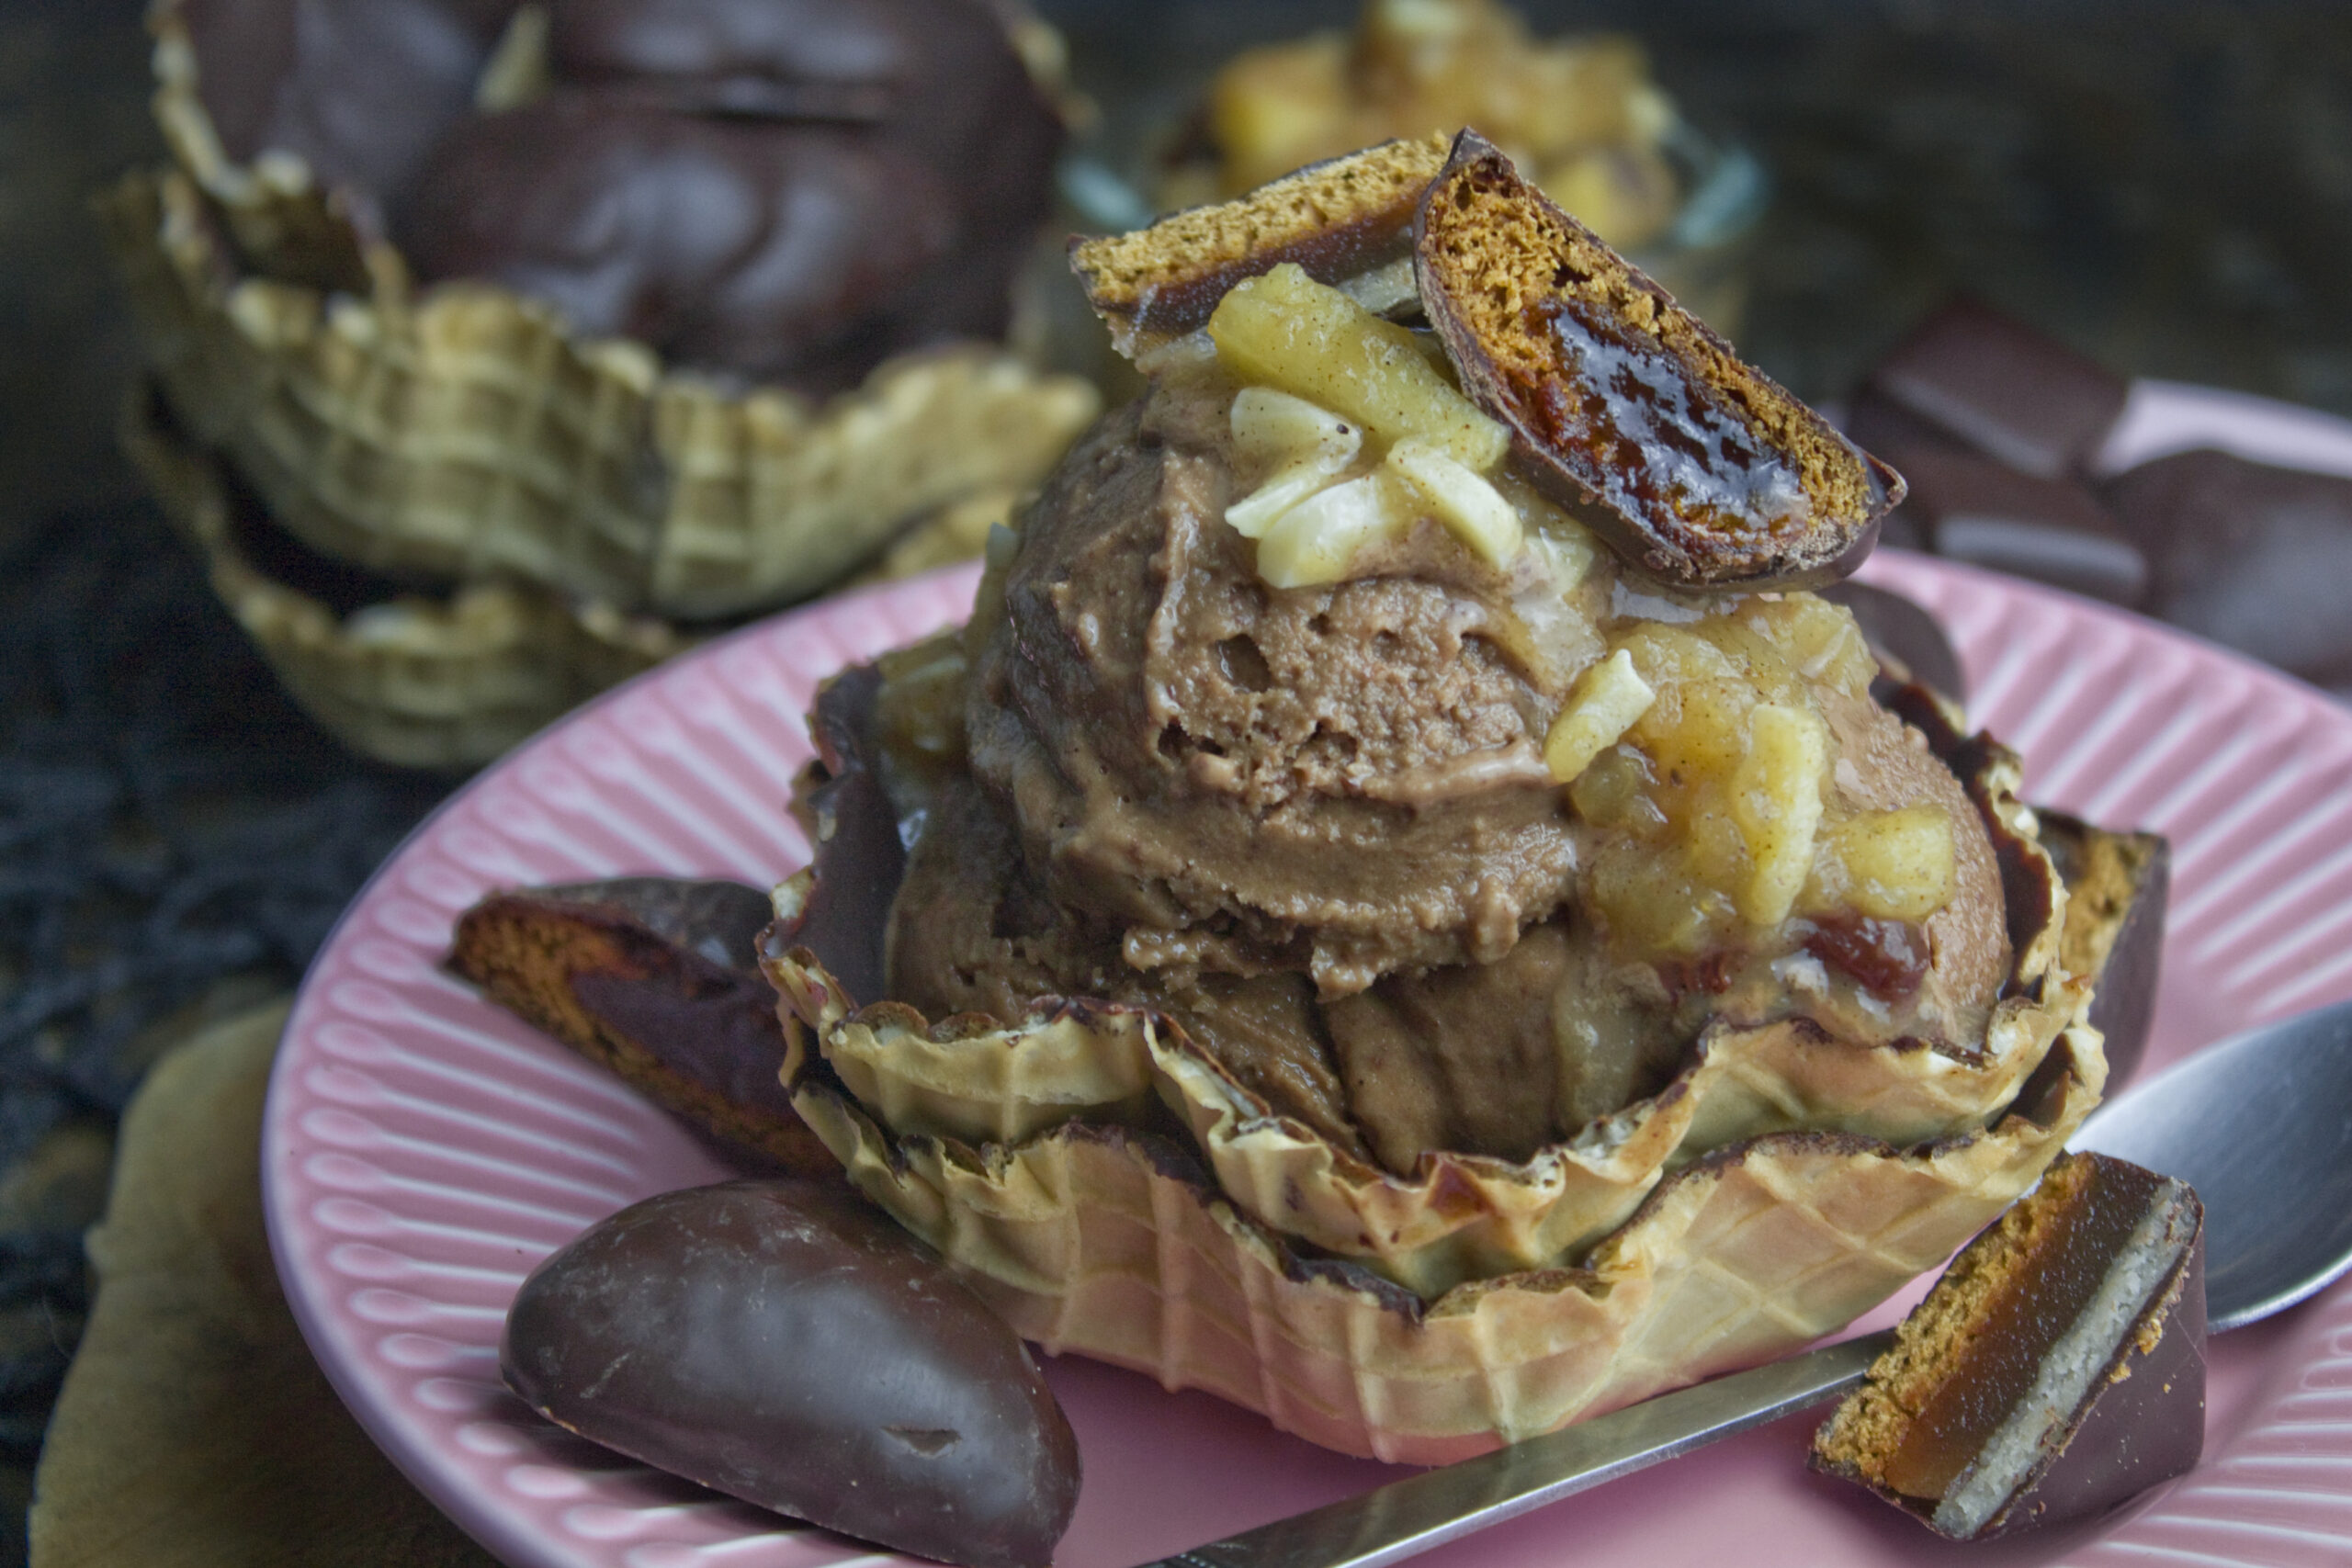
[{"x": 1317, "y": 825}]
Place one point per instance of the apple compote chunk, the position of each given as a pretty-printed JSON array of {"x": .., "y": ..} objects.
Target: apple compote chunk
[
  {"x": 1351, "y": 431},
  {"x": 1754, "y": 823}
]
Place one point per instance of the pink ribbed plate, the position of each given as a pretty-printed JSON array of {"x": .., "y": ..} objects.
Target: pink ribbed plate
[{"x": 423, "y": 1149}]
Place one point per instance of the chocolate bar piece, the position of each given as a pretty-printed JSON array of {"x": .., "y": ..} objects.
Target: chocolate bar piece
[
  {"x": 1998, "y": 386},
  {"x": 1973, "y": 510},
  {"x": 2247, "y": 555},
  {"x": 2057, "y": 1368},
  {"x": 653, "y": 977}
]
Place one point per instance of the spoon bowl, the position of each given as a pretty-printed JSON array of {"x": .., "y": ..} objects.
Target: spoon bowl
[{"x": 2261, "y": 1125}]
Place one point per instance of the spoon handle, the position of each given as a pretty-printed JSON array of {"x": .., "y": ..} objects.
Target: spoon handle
[{"x": 1394, "y": 1521}]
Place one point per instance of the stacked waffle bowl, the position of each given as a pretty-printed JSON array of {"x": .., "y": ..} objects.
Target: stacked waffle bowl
[
  {"x": 1190, "y": 1027},
  {"x": 530, "y": 500}
]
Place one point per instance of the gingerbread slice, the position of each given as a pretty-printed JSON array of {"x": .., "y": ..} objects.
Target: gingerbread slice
[
  {"x": 1349, "y": 222},
  {"x": 656, "y": 978},
  {"x": 1701, "y": 471},
  {"x": 2057, "y": 1369}
]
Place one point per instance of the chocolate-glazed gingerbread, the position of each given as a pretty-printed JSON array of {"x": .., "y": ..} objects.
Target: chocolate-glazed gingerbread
[
  {"x": 655, "y": 978},
  {"x": 786, "y": 1343},
  {"x": 1699, "y": 472},
  {"x": 2057, "y": 1369}
]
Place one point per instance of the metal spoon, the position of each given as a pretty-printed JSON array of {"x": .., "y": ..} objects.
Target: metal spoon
[{"x": 2261, "y": 1125}]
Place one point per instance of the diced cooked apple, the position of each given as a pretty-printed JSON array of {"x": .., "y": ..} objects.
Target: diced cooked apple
[
  {"x": 1285, "y": 489},
  {"x": 1898, "y": 865},
  {"x": 1308, "y": 447},
  {"x": 1287, "y": 331},
  {"x": 1818, "y": 638},
  {"x": 1606, "y": 701},
  {"x": 1776, "y": 803},
  {"x": 1271, "y": 428},
  {"x": 1317, "y": 540},
  {"x": 1471, "y": 509}
]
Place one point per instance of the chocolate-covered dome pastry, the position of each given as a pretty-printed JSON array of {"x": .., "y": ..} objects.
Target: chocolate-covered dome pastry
[
  {"x": 790, "y": 191},
  {"x": 786, "y": 1343},
  {"x": 360, "y": 89},
  {"x": 751, "y": 245}
]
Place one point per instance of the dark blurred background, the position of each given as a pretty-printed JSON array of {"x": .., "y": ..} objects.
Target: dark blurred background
[{"x": 2166, "y": 185}]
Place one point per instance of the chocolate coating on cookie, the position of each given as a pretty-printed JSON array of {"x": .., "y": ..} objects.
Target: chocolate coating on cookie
[
  {"x": 1698, "y": 472},
  {"x": 776, "y": 250},
  {"x": 359, "y": 89},
  {"x": 2119, "y": 888},
  {"x": 785, "y": 1343},
  {"x": 2057, "y": 1369},
  {"x": 656, "y": 979}
]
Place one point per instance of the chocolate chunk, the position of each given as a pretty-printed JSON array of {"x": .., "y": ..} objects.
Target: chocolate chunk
[
  {"x": 2118, "y": 887},
  {"x": 1890, "y": 430},
  {"x": 1998, "y": 386},
  {"x": 656, "y": 979},
  {"x": 2052, "y": 531},
  {"x": 2247, "y": 555},
  {"x": 1698, "y": 471},
  {"x": 1908, "y": 643},
  {"x": 2057, "y": 1369},
  {"x": 785, "y": 1343}
]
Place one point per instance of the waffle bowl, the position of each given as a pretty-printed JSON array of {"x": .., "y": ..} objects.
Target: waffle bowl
[
  {"x": 448, "y": 682},
  {"x": 1111, "y": 1240},
  {"x": 1121, "y": 1194},
  {"x": 465, "y": 429}
]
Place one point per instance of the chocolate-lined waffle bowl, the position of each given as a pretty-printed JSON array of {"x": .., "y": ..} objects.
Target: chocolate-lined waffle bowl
[
  {"x": 1396, "y": 929},
  {"x": 420, "y": 277}
]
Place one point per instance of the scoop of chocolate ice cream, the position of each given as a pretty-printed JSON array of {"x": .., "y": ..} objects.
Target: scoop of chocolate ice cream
[
  {"x": 1345, "y": 780},
  {"x": 1317, "y": 825}
]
